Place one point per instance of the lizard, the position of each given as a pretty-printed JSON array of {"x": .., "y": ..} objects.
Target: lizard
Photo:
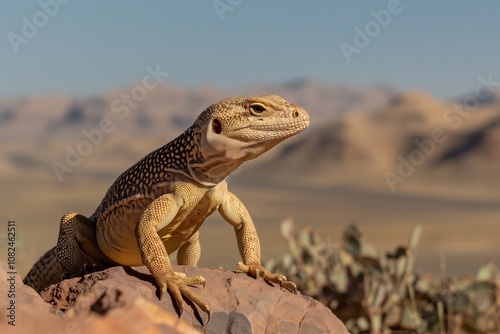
[{"x": 157, "y": 206}]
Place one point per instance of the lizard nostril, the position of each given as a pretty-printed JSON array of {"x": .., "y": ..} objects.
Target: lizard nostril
[{"x": 296, "y": 114}]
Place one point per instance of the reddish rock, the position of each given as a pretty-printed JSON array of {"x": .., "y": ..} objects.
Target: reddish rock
[
  {"x": 124, "y": 300},
  {"x": 34, "y": 315}
]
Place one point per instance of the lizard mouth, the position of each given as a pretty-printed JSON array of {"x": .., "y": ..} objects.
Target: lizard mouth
[{"x": 293, "y": 126}]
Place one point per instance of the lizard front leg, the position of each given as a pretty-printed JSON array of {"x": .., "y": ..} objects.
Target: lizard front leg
[
  {"x": 154, "y": 255},
  {"x": 235, "y": 213}
]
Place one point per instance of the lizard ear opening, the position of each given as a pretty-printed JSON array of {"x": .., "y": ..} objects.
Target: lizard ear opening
[{"x": 216, "y": 126}]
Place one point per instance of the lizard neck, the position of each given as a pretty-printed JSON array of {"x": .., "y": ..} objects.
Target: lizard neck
[
  {"x": 209, "y": 167},
  {"x": 174, "y": 156},
  {"x": 213, "y": 171}
]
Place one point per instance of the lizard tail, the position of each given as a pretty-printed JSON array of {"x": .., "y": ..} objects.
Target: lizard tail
[{"x": 46, "y": 271}]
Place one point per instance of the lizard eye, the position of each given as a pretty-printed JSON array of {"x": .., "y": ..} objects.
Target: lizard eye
[
  {"x": 216, "y": 126},
  {"x": 257, "y": 109}
]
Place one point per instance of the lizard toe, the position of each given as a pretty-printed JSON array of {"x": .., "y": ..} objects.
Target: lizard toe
[
  {"x": 289, "y": 285},
  {"x": 176, "y": 291},
  {"x": 257, "y": 270},
  {"x": 162, "y": 289},
  {"x": 195, "y": 280}
]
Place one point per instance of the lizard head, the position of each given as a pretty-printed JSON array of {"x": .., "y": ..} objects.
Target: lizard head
[{"x": 235, "y": 130}]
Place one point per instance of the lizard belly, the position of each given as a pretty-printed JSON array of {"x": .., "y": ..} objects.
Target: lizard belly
[
  {"x": 185, "y": 224},
  {"x": 116, "y": 234},
  {"x": 198, "y": 205}
]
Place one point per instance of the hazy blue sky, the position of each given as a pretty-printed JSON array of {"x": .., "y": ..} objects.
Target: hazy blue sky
[{"x": 91, "y": 47}]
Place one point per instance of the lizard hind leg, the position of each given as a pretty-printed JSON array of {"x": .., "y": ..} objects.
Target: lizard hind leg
[
  {"x": 77, "y": 249},
  {"x": 76, "y": 253}
]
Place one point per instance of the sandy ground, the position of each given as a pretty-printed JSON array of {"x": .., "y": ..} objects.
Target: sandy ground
[{"x": 462, "y": 233}]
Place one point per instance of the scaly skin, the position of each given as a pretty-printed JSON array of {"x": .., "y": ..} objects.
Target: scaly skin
[{"x": 157, "y": 206}]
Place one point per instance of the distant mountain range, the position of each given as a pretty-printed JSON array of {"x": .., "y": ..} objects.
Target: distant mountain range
[
  {"x": 371, "y": 136},
  {"x": 413, "y": 142},
  {"x": 37, "y": 130},
  {"x": 172, "y": 108}
]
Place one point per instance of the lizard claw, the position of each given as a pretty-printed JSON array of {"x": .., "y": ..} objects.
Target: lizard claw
[
  {"x": 209, "y": 315},
  {"x": 257, "y": 270}
]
